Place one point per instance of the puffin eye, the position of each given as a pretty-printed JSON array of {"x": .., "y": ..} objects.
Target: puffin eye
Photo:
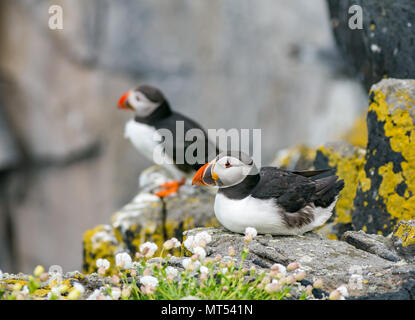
[{"x": 227, "y": 164}]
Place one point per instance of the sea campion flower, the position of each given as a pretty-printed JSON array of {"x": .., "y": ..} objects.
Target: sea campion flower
[
  {"x": 272, "y": 287},
  {"x": 171, "y": 243},
  {"x": 250, "y": 233},
  {"x": 102, "y": 265},
  {"x": 44, "y": 277},
  {"x": 98, "y": 295},
  {"x": 54, "y": 293},
  {"x": 148, "y": 249},
  {"x": 335, "y": 295},
  {"x": 149, "y": 281},
  {"x": 203, "y": 238},
  {"x": 172, "y": 272},
  {"x": 38, "y": 271},
  {"x": 123, "y": 260},
  {"x": 300, "y": 275},
  {"x": 279, "y": 268},
  {"x": 190, "y": 265},
  {"x": 318, "y": 284},
  {"x": 200, "y": 252},
  {"x": 126, "y": 292},
  {"x": 309, "y": 290},
  {"x": 115, "y": 293},
  {"x": 293, "y": 266},
  {"x": 115, "y": 279},
  {"x": 204, "y": 269},
  {"x": 343, "y": 290},
  {"x": 79, "y": 287}
]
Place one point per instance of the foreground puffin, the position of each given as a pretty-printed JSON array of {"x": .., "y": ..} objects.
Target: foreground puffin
[
  {"x": 152, "y": 113},
  {"x": 272, "y": 200}
]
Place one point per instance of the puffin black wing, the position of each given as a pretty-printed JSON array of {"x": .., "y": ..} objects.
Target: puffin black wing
[
  {"x": 293, "y": 191},
  {"x": 197, "y": 140}
]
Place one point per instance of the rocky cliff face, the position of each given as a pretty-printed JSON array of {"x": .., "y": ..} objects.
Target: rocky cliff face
[
  {"x": 385, "y": 44},
  {"x": 378, "y": 178},
  {"x": 369, "y": 266},
  {"x": 227, "y": 64}
]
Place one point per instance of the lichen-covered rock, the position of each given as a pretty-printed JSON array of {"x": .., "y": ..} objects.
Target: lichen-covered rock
[
  {"x": 366, "y": 274},
  {"x": 379, "y": 180},
  {"x": 349, "y": 163},
  {"x": 99, "y": 242},
  {"x": 300, "y": 157},
  {"x": 404, "y": 239},
  {"x": 387, "y": 195},
  {"x": 150, "y": 218}
]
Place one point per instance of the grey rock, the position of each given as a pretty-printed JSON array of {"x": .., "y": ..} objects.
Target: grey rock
[
  {"x": 375, "y": 244},
  {"x": 335, "y": 262},
  {"x": 385, "y": 44}
]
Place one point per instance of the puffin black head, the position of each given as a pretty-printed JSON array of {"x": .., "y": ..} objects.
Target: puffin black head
[
  {"x": 226, "y": 170},
  {"x": 143, "y": 101}
]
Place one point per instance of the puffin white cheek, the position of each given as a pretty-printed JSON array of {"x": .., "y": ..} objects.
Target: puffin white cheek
[{"x": 231, "y": 176}]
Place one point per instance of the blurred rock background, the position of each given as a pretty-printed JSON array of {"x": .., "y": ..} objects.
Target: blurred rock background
[{"x": 64, "y": 164}]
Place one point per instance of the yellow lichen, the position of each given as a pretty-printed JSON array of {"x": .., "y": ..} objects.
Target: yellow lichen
[
  {"x": 399, "y": 127},
  {"x": 94, "y": 249},
  {"x": 357, "y": 135},
  {"x": 406, "y": 233},
  {"x": 351, "y": 170}
]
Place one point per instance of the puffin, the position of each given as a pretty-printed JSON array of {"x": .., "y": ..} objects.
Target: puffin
[
  {"x": 271, "y": 200},
  {"x": 152, "y": 115}
]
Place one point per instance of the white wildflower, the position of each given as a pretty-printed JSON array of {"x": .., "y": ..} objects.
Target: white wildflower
[
  {"x": 149, "y": 281},
  {"x": 343, "y": 290},
  {"x": 279, "y": 268},
  {"x": 171, "y": 243},
  {"x": 186, "y": 262},
  {"x": 98, "y": 295},
  {"x": 251, "y": 232},
  {"x": 224, "y": 270},
  {"x": 203, "y": 238},
  {"x": 176, "y": 242},
  {"x": 173, "y": 272},
  {"x": 191, "y": 265},
  {"x": 201, "y": 252},
  {"x": 190, "y": 243},
  {"x": 79, "y": 287},
  {"x": 103, "y": 263},
  {"x": 25, "y": 290},
  {"x": 123, "y": 260},
  {"x": 148, "y": 249},
  {"x": 115, "y": 293},
  {"x": 204, "y": 269}
]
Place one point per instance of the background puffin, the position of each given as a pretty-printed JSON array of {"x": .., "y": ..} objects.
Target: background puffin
[
  {"x": 152, "y": 113},
  {"x": 271, "y": 200}
]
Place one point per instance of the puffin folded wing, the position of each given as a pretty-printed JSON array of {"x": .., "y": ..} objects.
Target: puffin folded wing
[{"x": 327, "y": 189}]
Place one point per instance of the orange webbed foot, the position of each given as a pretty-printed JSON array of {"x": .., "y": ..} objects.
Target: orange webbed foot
[{"x": 169, "y": 188}]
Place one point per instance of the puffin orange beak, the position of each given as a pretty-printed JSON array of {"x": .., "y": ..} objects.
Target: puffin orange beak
[
  {"x": 204, "y": 176},
  {"x": 122, "y": 102}
]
